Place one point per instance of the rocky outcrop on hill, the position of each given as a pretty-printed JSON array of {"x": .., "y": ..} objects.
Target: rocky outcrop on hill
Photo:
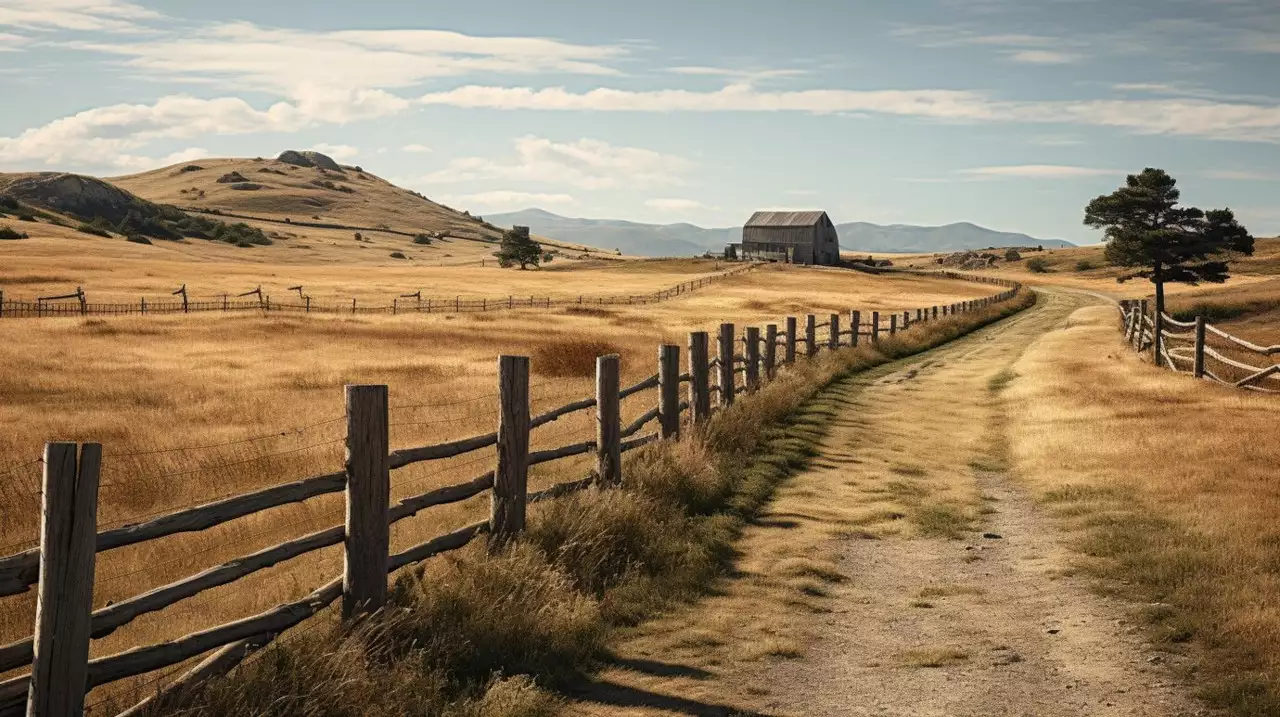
[
  {"x": 82, "y": 197},
  {"x": 309, "y": 159},
  {"x": 969, "y": 260},
  {"x": 232, "y": 178}
]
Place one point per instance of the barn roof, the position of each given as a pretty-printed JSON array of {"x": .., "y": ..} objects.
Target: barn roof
[{"x": 785, "y": 219}]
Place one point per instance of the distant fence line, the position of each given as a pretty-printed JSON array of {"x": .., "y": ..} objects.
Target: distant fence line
[
  {"x": 77, "y": 304},
  {"x": 1190, "y": 351},
  {"x": 63, "y": 566}
]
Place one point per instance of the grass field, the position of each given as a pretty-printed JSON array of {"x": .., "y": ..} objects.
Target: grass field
[
  {"x": 262, "y": 397},
  {"x": 1167, "y": 486}
]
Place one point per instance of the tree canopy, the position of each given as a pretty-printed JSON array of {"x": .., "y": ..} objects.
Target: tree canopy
[
  {"x": 1145, "y": 228},
  {"x": 518, "y": 248}
]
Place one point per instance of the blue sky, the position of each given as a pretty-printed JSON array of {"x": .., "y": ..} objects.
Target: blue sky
[{"x": 1007, "y": 113}]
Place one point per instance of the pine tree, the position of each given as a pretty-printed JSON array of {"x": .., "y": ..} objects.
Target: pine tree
[{"x": 1145, "y": 228}]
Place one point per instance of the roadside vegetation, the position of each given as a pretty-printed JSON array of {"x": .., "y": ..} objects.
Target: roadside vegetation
[{"x": 485, "y": 636}]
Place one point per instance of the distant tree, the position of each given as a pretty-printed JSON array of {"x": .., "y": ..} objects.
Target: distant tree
[
  {"x": 518, "y": 248},
  {"x": 1012, "y": 255},
  {"x": 1038, "y": 266},
  {"x": 1146, "y": 229}
]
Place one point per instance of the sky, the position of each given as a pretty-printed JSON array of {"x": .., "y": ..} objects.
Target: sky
[{"x": 1011, "y": 114}]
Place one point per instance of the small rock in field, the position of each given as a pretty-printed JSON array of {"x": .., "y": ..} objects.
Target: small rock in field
[
  {"x": 992, "y": 536},
  {"x": 1053, "y": 631}
]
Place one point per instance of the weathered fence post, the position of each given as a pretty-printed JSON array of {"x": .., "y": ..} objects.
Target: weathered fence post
[
  {"x": 751, "y": 352},
  {"x": 789, "y": 355},
  {"x": 1157, "y": 343},
  {"x": 608, "y": 421},
  {"x": 906, "y": 320},
  {"x": 144, "y": 306},
  {"x": 700, "y": 373},
  {"x": 875, "y": 326},
  {"x": 511, "y": 475},
  {"x": 726, "y": 365},
  {"x": 770, "y": 351},
  {"x": 855, "y": 326},
  {"x": 810, "y": 335},
  {"x": 935, "y": 312},
  {"x": 64, "y": 599},
  {"x": 1143, "y": 325},
  {"x": 364, "y": 581},
  {"x": 833, "y": 332},
  {"x": 1135, "y": 333},
  {"x": 669, "y": 390},
  {"x": 893, "y": 323},
  {"x": 1199, "y": 365}
]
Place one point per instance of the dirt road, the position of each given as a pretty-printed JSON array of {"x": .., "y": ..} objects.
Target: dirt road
[{"x": 904, "y": 573}]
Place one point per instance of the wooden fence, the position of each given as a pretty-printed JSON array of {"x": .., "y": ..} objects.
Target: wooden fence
[
  {"x": 76, "y": 304},
  {"x": 1187, "y": 347},
  {"x": 62, "y": 567}
]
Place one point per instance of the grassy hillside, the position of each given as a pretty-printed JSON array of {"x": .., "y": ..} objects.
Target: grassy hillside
[{"x": 279, "y": 192}]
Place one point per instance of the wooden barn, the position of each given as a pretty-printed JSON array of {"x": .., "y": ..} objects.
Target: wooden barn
[{"x": 793, "y": 237}]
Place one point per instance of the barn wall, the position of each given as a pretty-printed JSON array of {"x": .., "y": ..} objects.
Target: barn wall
[{"x": 774, "y": 238}]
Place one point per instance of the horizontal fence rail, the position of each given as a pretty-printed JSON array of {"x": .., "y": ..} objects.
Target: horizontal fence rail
[
  {"x": 63, "y": 306},
  {"x": 1184, "y": 347},
  {"x": 62, "y": 568}
]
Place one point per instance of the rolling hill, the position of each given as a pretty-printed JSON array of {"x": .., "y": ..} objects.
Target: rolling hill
[{"x": 688, "y": 239}]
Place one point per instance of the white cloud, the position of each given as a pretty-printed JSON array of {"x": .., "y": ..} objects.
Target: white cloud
[
  {"x": 417, "y": 149},
  {"x": 1036, "y": 171},
  {"x": 584, "y": 163},
  {"x": 1018, "y": 47},
  {"x": 10, "y": 42},
  {"x": 748, "y": 76},
  {"x": 1044, "y": 57},
  {"x": 288, "y": 61},
  {"x": 676, "y": 205},
  {"x": 504, "y": 200},
  {"x": 336, "y": 151},
  {"x": 75, "y": 15},
  {"x": 1231, "y": 120},
  {"x": 107, "y": 136}
]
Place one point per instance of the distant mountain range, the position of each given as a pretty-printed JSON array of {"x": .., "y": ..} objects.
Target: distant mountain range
[{"x": 635, "y": 238}]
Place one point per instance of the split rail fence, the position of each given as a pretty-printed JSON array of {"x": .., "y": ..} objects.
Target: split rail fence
[
  {"x": 77, "y": 304},
  {"x": 1187, "y": 347},
  {"x": 62, "y": 567}
]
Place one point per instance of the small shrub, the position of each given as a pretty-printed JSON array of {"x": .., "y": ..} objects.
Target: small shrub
[
  {"x": 7, "y": 233},
  {"x": 10, "y": 203},
  {"x": 398, "y": 255},
  {"x": 232, "y": 178},
  {"x": 1038, "y": 266},
  {"x": 359, "y": 237},
  {"x": 247, "y": 186},
  {"x": 1084, "y": 265},
  {"x": 191, "y": 168},
  {"x": 85, "y": 228},
  {"x": 547, "y": 257},
  {"x": 137, "y": 239},
  {"x": 25, "y": 217},
  {"x": 1012, "y": 255},
  {"x": 422, "y": 239}
]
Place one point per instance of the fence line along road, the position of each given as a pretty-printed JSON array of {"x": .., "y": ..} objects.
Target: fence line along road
[
  {"x": 1183, "y": 347},
  {"x": 62, "y": 567},
  {"x": 76, "y": 303}
]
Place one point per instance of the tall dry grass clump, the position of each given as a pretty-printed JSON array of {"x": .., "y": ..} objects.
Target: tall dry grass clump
[
  {"x": 571, "y": 357},
  {"x": 486, "y": 635}
]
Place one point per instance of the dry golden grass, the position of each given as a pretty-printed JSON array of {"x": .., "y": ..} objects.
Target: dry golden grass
[
  {"x": 1102, "y": 279},
  {"x": 147, "y": 388},
  {"x": 1169, "y": 486}
]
